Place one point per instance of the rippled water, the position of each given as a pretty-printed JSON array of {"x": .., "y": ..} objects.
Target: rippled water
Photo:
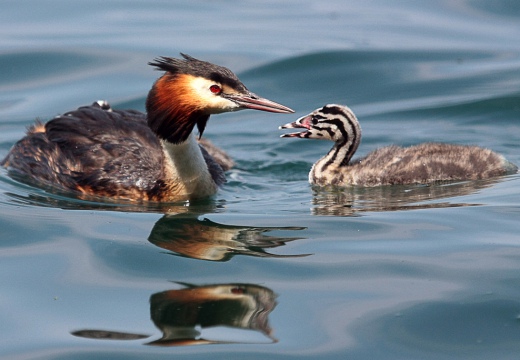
[{"x": 270, "y": 266}]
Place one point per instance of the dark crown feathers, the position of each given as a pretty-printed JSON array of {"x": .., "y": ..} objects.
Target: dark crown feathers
[{"x": 192, "y": 66}]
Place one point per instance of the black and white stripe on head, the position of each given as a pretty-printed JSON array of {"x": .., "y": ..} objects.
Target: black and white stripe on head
[
  {"x": 102, "y": 104},
  {"x": 331, "y": 122},
  {"x": 337, "y": 123}
]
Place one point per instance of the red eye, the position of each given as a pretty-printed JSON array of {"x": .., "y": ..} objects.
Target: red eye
[{"x": 215, "y": 89}]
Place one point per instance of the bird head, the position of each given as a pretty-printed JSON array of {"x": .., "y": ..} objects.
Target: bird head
[
  {"x": 330, "y": 122},
  {"x": 191, "y": 90}
]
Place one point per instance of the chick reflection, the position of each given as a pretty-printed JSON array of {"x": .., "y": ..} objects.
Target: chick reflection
[
  {"x": 207, "y": 240},
  {"x": 353, "y": 200},
  {"x": 183, "y": 315}
]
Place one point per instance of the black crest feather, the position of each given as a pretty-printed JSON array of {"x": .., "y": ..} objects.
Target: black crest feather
[{"x": 192, "y": 66}]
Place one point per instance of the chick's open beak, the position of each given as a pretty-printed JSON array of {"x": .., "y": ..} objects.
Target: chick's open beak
[{"x": 305, "y": 122}]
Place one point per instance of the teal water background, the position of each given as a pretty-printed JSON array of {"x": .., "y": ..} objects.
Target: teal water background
[{"x": 270, "y": 267}]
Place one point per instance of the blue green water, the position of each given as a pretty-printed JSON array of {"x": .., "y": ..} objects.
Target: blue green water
[{"x": 270, "y": 267}]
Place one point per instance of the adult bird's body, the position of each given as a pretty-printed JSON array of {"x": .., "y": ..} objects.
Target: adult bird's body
[
  {"x": 125, "y": 154},
  {"x": 419, "y": 164}
]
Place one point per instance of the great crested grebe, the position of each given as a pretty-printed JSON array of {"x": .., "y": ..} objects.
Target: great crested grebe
[
  {"x": 419, "y": 164},
  {"x": 126, "y": 154}
]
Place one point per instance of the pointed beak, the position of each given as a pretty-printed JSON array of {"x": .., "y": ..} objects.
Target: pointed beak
[
  {"x": 304, "y": 122},
  {"x": 252, "y": 101}
]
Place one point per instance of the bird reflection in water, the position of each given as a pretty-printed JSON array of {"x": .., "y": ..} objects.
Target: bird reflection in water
[
  {"x": 181, "y": 230},
  {"x": 351, "y": 201},
  {"x": 208, "y": 240},
  {"x": 183, "y": 315}
]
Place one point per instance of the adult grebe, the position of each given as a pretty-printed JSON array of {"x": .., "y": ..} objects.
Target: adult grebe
[
  {"x": 419, "y": 164},
  {"x": 126, "y": 154}
]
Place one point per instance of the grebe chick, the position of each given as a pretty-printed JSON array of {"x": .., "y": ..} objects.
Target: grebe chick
[
  {"x": 419, "y": 164},
  {"x": 126, "y": 154}
]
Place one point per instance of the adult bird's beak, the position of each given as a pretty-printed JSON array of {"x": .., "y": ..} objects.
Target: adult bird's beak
[{"x": 253, "y": 101}]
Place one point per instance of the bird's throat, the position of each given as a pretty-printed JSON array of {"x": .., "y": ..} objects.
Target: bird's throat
[{"x": 187, "y": 168}]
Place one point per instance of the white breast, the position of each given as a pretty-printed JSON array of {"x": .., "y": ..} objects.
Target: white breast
[{"x": 187, "y": 168}]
